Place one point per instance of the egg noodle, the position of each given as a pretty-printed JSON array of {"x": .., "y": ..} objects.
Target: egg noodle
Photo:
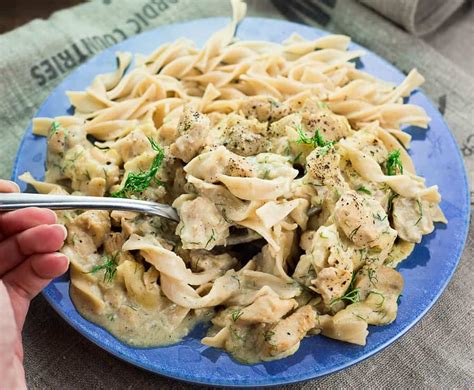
[{"x": 288, "y": 167}]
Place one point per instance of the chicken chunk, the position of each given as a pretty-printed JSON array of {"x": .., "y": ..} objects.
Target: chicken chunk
[
  {"x": 245, "y": 137},
  {"x": 364, "y": 222},
  {"x": 412, "y": 218},
  {"x": 202, "y": 226},
  {"x": 87, "y": 231},
  {"x": 343, "y": 326},
  {"x": 134, "y": 144},
  {"x": 323, "y": 164},
  {"x": 332, "y": 283},
  {"x": 368, "y": 143},
  {"x": 113, "y": 242},
  {"x": 95, "y": 223},
  {"x": 267, "y": 308},
  {"x": 264, "y": 109},
  {"x": 331, "y": 126},
  {"x": 57, "y": 141},
  {"x": 202, "y": 261},
  {"x": 193, "y": 128},
  {"x": 81, "y": 165},
  {"x": 379, "y": 288},
  {"x": 288, "y": 333}
]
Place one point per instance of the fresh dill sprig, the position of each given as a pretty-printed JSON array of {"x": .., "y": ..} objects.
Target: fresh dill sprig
[
  {"x": 268, "y": 335},
  {"x": 420, "y": 211},
  {"x": 273, "y": 102},
  {"x": 394, "y": 163},
  {"x": 234, "y": 333},
  {"x": 316, "y": 140},
  {"x": 392, "y": 196},
  {"x": 110, "y": 267},
  {"x": 111, "y": 317},
  {"x": 236, "y": 277},
  {"x": 399, "y": 299},
  {"x": 266, "y": 174},
  {"x": 364, "y": 189},
  {"x": 380, "y": 304},
  {"x": 352, "y": 296},
  {"x": 359, "y": 317},
  {"x": 297, "y": 158},
  {"x": 354, "y": 232},
  {"x": 362, "y": 252},
  {"x": 55, "y": 126},
  {"x": 236, "y": 314},
  {"x": 372, "y": 274},
  {"x": 140, "y": 181},
  {"x": 378, "y": 217},
  {"x": 212, "y": 238}
]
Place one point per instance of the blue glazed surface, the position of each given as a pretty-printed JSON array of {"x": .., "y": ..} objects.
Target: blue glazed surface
[{"x": 426, "y": 272}]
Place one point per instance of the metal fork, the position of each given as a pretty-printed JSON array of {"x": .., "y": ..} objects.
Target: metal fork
[{"x": 15, "y": 201}]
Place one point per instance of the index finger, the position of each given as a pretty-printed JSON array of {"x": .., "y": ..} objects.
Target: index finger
[{"x": 8, "y": 186}]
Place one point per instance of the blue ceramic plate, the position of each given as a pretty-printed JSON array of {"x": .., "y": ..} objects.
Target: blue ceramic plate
[{"x": 426, "y": 272}]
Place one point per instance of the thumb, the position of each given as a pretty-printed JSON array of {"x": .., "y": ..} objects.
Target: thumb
[{"x": 13, "y": 376}]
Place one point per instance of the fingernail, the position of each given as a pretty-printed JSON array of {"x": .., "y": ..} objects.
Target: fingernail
[
  {"x": 55, "y": 215},
  {"x": 17, "y": 187},
  {"x": 63, "y": 256},
  {"x": 62, "y": 229},
  {"x": 8, "y": 186}
]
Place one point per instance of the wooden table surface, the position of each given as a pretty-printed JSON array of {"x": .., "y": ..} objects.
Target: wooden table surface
[{"x": 15, "y": 13}]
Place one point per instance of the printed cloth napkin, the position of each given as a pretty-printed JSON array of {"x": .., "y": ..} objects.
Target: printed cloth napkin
[{"x": 36, "y": 57}]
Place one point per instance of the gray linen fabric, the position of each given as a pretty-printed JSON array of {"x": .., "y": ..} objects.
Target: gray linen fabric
[
  {"x": 417, "y": 16},
  {"x": 437, "y": 353}
]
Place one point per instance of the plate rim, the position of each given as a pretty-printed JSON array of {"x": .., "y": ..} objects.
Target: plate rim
[{"x": 266, "y": 381}]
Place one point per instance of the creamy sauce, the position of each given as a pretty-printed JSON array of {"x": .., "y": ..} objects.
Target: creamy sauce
[
  {"x": 400, "y": 251},
  {"x": 243, "y": 342},
  {"x": 139, "y": 327}
]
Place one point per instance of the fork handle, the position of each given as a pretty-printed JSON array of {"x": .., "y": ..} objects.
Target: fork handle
[{"x": 15, "y": 201}]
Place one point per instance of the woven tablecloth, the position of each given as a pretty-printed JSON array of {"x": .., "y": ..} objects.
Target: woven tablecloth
[{"x": 436, "y": 353}]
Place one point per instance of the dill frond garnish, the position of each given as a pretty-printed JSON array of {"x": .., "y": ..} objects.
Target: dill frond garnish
[
  {"x": 266, "y": 174},
  {"x": 392, "y": 196},
  {"x": 352, "y": 296},
  {"x": 399, "y": 299},
  {"x": 297, "y": 158},
  {"x": 109, "y": 266},
  {"x": 364, "y": 189},
  {"x": 360, "y": 317},
  {"x": 234, "y": 333},
  {"x": 236, "y": 277},
  {"x": 394, "y": 163},
  {"x": 420, "y": 211},
  {"x": 372, "y": 274},
  {"x": 55, "y": 126},
  {"x": 140, "y": 181},
  {"x": 354, "y": 232},
  {"x": 111, "y": 317},
  {"x": 316, "y": 140},
  {"x": 212, "y": 238},
  {"x": 380, "y": 304},
  {"x": 273, "y": 102},
  {"x": 268, "y": 335},
  {"x": 236, "y": 314}
]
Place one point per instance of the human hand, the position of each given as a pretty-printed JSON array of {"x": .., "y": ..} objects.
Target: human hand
[{"x": 29, "y": 239}]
